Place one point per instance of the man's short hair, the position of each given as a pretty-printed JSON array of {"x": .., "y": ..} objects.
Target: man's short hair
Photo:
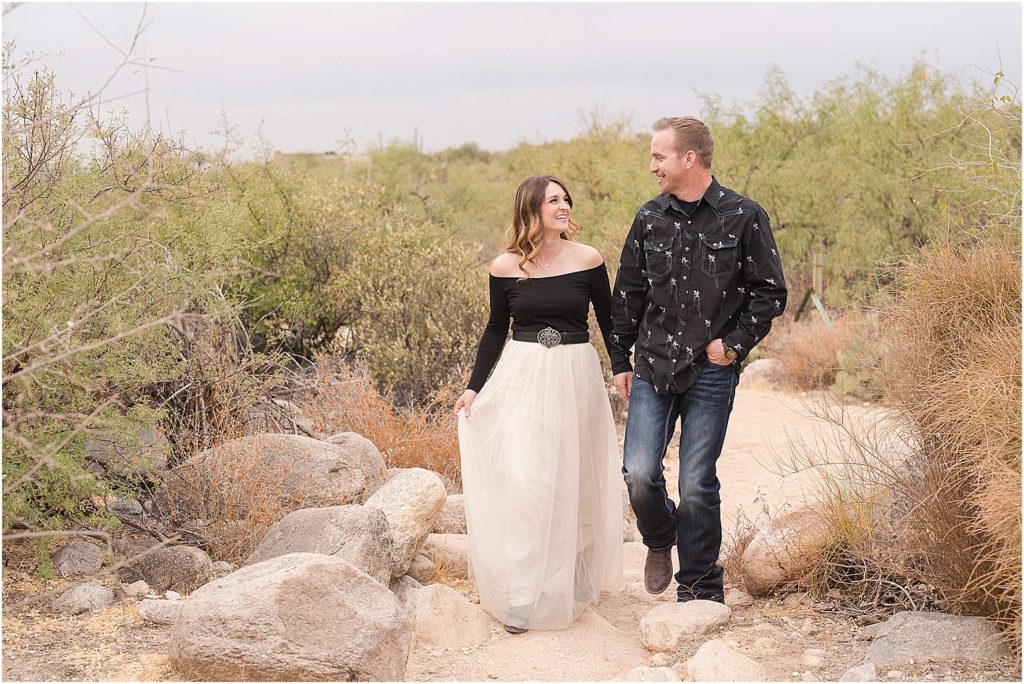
[{"x": 691, "y": 134}]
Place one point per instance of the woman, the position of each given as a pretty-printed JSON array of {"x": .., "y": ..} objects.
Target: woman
[{"x": 540, "y": 466}]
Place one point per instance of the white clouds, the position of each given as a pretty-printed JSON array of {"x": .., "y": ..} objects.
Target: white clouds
[{"x": 492, "y": 73}]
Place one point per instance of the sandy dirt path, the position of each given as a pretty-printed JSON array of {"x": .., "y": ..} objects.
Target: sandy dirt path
[{"x": 765, "y": 428}]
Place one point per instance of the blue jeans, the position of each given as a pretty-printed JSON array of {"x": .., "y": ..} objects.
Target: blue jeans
[{"x": 695, "y": 525}]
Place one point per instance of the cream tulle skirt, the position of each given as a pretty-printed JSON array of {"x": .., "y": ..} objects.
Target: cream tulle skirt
[{"x": 542, "y": 486}]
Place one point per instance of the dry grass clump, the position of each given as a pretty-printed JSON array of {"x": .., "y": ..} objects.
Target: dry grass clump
[
  {"x": 227, "y": 499},
  {"x": 925, "y": 509},
  {"x": 810, "y": 350},
  {"x": 954, "y": 370},
  {"x": 337, "y": 397}
]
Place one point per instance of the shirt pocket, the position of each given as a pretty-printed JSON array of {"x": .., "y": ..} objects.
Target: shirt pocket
[
  {"x": 658, "y": 252},
  {"x": 718, "y": 256}
]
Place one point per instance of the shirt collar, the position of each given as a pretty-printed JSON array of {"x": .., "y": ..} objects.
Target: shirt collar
[{"x": 711, "y": 196}]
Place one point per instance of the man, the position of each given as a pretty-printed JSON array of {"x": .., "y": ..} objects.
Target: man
[{"x": 698, "y": 285}]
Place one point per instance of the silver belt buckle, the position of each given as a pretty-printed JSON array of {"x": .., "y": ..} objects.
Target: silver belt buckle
[{"x": 549, "y": 337}]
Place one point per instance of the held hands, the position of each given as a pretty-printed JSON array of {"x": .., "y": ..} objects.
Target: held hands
[
  {"x": 465, "y": 402},
  {"x": 624, "y": 384},
  {"x": 716, "y": 353}
]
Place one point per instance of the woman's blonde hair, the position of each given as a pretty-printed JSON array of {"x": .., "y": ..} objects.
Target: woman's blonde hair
[{"x": 526, "y": 234}]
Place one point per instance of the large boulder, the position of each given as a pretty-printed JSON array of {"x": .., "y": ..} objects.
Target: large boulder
[
  {"x": 920, "y": 636},
  {"x": 446, "y": 619},
  {"x": 308, "y": 472},
  {"x": 663, "y": 628},
  {"x": 453, "y": 516},
  {"x": 299, "y": 617},
  {"x": 780, "y": 548},
  {"x": 412, "y": 501},
  {"x": 449, "y": 553},
  {"x": 354, "y": 533},
  {"x": 714, "y": 661},
  {"x": 78, "y": 558},
  {"x": 84, "y": 598},
  {"x": 179, "y": 568},
  {"x": 365, "y": 452}
]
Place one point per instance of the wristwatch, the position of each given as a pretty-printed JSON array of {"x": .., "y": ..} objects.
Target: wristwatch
[{"x": 730, "y": 353}]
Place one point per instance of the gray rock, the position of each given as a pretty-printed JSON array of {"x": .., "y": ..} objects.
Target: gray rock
[
  {"x": 159, "y": 612},
  {"x": 124, "y": 508},
  {"x": 365, "y": 453},
  {"x": 763, "y": 374},
  {"x": 172, "y": 595},
  {"x": 84, "y": 598},
  {"x": 179, "y": 568},
  {"x": 453, "y": 516},
  {"x": 445, "y": 618},
  {"x": 860, "y": 673},
  {"x": 919, "y": 636},
  {"x": 422, "y": 569},
  {"x": 315, "y": 473},
  {"x": 295, "y": 420},
  {"x": 412, "y": 502},
  {"x": 404, "y": 588},
  {"x": 736, "y": 598},
  {"x": 137, "y": 589},
  {"x": 650, "y": 674},
  {"x": 714, "y": 661},
  {"x": 667, "y": 625},
  {"x": 223, "y": 568},
  {"x": 449, "y": 553},
  {"x": 779, "y": 548},
  {"x": 299, "y": 617},
  {"x": 131, "y": 451},
  {"x": 813, "y": 658},
  {"x": 78, "y": 558},
  {"x": 354, "y": 533}
]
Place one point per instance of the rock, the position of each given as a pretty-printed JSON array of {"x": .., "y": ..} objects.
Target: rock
[
  {"x": 446, "y": 619},
  {"x": 716, "y": 662},
  {"x": 180, "y": 568},
  {"x": 299, "y": 617},
  {"x": 860, "y": 673},
  {"x": 813, "y": 658},
  {"x": 124, "y": 508},
  {"x": 172, "y": 595},
  {"x": 422, "y": 569},
  {"x": 137, "y": 589},
  {"x": 778, "y": 549},
  {"x": 159, "y": 612},
  {"x": 660, "y": 660},
  {"x": 366, "y": 453},
  {"x": 664, "y": 627},
  {"x": 404, "y": 588},
  {"x": 412, "y": 502},
  {"x": 299, "y": 423},
  {"x": 78, "y": 558},
  {"x": 918, "y": 636},
  {"x": 453, "y": 516},
  {"x": 449, "y": 552},
  {"x": 223, "y": 568},
  {"x": 84, "y": 598},
  {"x": 763, "y": 374},
  {"x": 737, "y": 598},
  {"x": 894, "y": 674},
  {"x": 313, "y": 473},
  {"x": 132, "y": 450},
  {"x": 650, "y": 674},
  {"x": 355, "y": 533}
]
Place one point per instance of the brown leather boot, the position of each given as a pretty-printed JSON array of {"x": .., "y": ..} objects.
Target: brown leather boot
[{"x": 658, "y": 570}]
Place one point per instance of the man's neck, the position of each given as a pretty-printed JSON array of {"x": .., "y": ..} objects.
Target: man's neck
[{"x": 695, "y": 191}]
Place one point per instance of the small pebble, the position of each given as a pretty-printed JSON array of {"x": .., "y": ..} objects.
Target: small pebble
[
  {"x": 172, "y": 595},
  {"x": 894, "y": 674},
  {"x": 660, "y": 660}
]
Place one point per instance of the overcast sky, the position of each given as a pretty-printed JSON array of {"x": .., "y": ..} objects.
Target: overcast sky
[{"x": 493, "y": 74}]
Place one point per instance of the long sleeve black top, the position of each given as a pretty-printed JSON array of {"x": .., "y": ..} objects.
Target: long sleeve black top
[
  {"x": 689, "y": 276},
  {"x": 561, "y": 302}
]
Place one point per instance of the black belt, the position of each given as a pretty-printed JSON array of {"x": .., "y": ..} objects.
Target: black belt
[{"x": 549, "y": 337}]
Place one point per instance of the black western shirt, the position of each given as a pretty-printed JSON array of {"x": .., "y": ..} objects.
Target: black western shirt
[{"x": 685, "y": 279}]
